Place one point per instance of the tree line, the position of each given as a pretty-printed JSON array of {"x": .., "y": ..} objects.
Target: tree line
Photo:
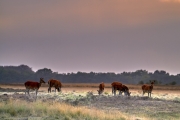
[{"x": 22, "y": 73}]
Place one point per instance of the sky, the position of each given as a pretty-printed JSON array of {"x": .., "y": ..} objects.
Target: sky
[{"x": 91, "y": 35}]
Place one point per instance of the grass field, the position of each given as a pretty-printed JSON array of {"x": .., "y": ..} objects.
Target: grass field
[
  {"x": 45, "y": 110},
  {"x": 81, "y": 102}
]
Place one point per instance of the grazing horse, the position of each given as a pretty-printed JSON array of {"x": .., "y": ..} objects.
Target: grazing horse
[
  {"x": 101, "y": 88},
  {"x": 116, "y": 86},
  {"x": 125, "y": 89},
  {"x": 122, "y": 88},
  {"x": 148, "y": 88},
  {"x": 54, "y": 83},
  {"x": 33, "y": 85}
]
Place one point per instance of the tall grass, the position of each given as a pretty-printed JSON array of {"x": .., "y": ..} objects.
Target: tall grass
[{"x": 55, "y": 110}]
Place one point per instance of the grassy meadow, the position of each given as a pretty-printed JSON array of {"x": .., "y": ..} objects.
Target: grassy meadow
[
  {"x": 81, "y": 102},
  {"x": 54, "y": 110}
]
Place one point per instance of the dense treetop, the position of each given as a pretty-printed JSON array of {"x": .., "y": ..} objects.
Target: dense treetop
[{"x": 22, "y": 73}]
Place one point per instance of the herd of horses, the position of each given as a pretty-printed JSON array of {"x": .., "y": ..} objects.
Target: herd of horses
[{"x": 32, "y": 85}]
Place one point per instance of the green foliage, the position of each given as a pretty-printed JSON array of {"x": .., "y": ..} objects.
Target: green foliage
[
  {"x": 22, "y": 73},
  {"x": 173, "y": 83},
  {"x": 12, "y": 74},
  {"x": 106, "y": 93},
  {"x": 141, "y": 82}
]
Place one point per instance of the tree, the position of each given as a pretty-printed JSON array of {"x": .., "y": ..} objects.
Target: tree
[
  {"x": 44, "y": 73},
  {"x": 141, "y": 82},
  {"x": 173, "y": 83},
  {"x": 22, "y": 73}
]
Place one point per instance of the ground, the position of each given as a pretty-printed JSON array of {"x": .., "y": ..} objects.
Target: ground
[{"x": 163, "y": 105}]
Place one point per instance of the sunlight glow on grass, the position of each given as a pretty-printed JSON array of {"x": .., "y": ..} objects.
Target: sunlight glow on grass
[{"x": 55, "y": 110}]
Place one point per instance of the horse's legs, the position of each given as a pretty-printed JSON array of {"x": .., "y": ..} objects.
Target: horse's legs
[
  {"x": 25, "y": 91},
  {"x": 49, "y": 89},
  {"x": 120, "y": 93},
  {"x": 28, "y": 92},
  {"x": 114, "y": 91},
  {"x": 36, "y": 92},
  {"x": 143, "y": 93}
]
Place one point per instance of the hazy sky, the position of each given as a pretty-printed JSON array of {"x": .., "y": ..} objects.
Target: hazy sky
[{"x": 91, "y": 35}]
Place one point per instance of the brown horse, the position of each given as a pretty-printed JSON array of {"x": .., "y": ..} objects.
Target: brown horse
[
  {"x": 121, "y": 88},
  {"x": 148, "y": 88},
  {"x": 125, "y": 89},
  {"x": 101, "y": 88},
  {"x": 33, "y": 85},
  {"x": 115, "y": 86},
  {"x": 54, "y": 83}
]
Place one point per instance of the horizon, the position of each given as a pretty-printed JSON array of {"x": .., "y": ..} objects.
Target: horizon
[{"x": 89, "y": 71}]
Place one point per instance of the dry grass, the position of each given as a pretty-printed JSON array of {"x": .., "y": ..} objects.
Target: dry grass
[
  {"x": 55, "y": 110},
  {"x": 95, "y": 85},
  {"x": 60, "y": 110},
  {"x": 159, "y": 90}
]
